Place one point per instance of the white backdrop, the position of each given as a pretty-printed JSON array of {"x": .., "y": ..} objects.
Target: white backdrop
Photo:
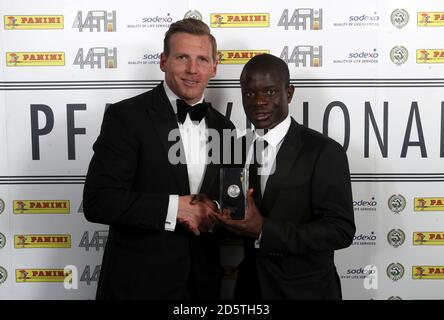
[{"x": 367, "y": 73}]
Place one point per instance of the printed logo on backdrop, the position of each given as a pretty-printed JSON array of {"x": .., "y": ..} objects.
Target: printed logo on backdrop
[
  {"x": 360, "y": 56},
  {"x": 157, "y": 21},
  {"x": 41, "y": 275},
  {"x": 238, "y": 56},
  {"x": 399, "y": 18},
  {"x": 430, "y": 19},
  {"x": 147, "y": 58},
  {"x": 396, "y": 203},
  {"x": 303, "y": 56},
  {"x": 88, "y": 276},
  {"x": 396, "y": 237},
  {"x": 365, "y": 205},
  {"x": 360, "y": 273},
  {"x": 22, "y": 241},
  {"x": 2, "y": 240},
  {"x": 96, "y": 20},
  {"x": 428, "y": 272},
  {"x": 35, "y": 59},
  {"x": 428, "y": 238},
  {"x": 40, "y": 206},
  {"x": 239, "y": 20},
  {"x": 364, "y": 239},
  {"x": 359, "y": 20},
  {"x": 428, "y": 204},
  {"x": 3, "y": 275},
  {"x": 193, "y": 14},
  {"x": 395, "y": 271},
  {"x": 80, "y": 210},
  {"x": 13, "y": 22},
  {"x": 2, "y": 206},
  {"x": 97, "y": 57},
  {"x": 301, "y": 19},
  {"x": 429, "y": 56},
  {"x": 97, "y": 241},
  {"x": 399, "y": 55}
]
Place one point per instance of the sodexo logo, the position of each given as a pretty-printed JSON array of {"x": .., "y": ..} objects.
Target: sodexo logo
[
  {"x": 365, "y": 239},
  {"x": 364, "y": 18},
  {"x": 368, "y": 274},
  {"x": 365, "y": 205},
  {"x": 151, "y": 58},
  {"x": 364, "y": 55},
  {"x": 158, "y": 19}
]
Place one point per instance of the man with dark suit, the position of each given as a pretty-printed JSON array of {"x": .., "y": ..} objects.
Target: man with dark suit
[
  {"x": 159, "y": 244},
  {"x": 299, "y": 205}
]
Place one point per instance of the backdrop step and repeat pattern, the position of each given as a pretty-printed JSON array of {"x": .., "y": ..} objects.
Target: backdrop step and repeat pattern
[{"x": 367, "y": 73}]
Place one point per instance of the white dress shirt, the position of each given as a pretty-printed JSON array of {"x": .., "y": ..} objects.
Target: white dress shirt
[
  {"x": 274, "y": 138},
  {"x": 194, "y": 139}
]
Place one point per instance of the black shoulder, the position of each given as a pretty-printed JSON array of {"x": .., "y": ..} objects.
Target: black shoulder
[
  {"x": 220, "y": 118},
  {"x": 314, "y": 138}
]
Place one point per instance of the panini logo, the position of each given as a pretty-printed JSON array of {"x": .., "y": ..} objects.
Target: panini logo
[
  {"x": 430, "y": 56},
  {"x": 42, "y": 241},
  {"x": 428, "y": 272},
  {"x": 428, "y": 238},
  {"x": 240, "y": 20},
  {"x": 41, "y": 275},
  {"x": 33, "y": 22},
  {"x": 430, "y": 19},
  {"x": 40, "y": 206},
  {"x": 35, "y": 59},
  {"x": 238, "y": 56},
  {"x": 429, "y": 204}
]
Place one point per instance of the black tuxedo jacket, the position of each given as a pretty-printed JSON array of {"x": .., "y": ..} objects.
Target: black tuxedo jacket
[
  {"x": 308, "y": 209},
  {"x": 127, "y": 187}
]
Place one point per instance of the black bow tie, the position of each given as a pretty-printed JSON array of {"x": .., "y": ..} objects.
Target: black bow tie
[{"x": 196, "y": 112}]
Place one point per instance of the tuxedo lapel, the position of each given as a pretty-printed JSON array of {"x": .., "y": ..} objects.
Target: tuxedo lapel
[
  {"x": 212, "y": 169},
  {"x": 285, "y": 159},
  {"x": 164, "y": 121}
]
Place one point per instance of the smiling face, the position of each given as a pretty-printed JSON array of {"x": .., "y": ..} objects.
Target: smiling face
[
  {"x": 265, "y": 97},
  {"x": 189, "y": 65}
]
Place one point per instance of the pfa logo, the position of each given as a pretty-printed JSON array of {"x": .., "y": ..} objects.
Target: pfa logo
[
  {"x": 395, "y": 271},
  {"x": 396, "y": 203},
  {"x": 399, "y": 18},
  {"x": 396, "y": 237},
  {"x": 399, "y": 55},
  {"x": 3, "y": 275}
]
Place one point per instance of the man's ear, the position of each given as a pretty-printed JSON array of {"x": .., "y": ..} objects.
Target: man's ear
[
  {"x": 290, "y": 92},
  {"x": 214, "y": 71},
  {"x": 163, "y": 59}
]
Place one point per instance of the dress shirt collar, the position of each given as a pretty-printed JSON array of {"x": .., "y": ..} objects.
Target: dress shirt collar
[
  {"x": 276, "y": 135},
  {"x": 172, "y": 97}
]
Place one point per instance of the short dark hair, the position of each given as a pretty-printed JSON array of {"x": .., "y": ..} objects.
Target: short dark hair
[
  {"x": 191, "y": 26},
  {"x": 266, "y": 63}
]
